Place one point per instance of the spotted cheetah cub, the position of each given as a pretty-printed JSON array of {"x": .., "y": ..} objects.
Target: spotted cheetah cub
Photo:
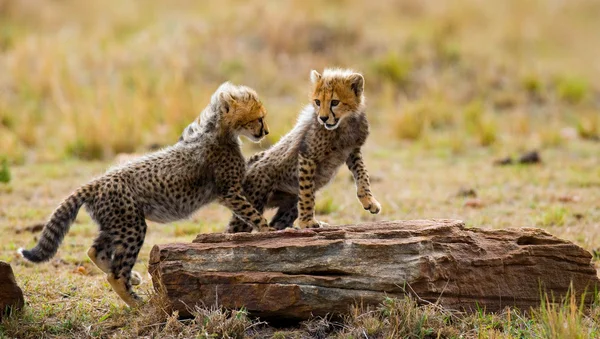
[
  {"x": 164, "y": 186},
  {"x": 329, "y": 132}
]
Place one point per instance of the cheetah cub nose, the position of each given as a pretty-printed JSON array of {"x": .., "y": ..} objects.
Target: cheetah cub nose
[{"x": 324, "y": 119}]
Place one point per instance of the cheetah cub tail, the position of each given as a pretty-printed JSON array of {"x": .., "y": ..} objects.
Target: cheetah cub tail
[{"x": 57, "y": 227}]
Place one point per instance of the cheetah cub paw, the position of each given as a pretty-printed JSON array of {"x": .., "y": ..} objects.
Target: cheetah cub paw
[
  {"x": 136, "y": 278},
  {"x": 313, "y": 224},
  {"x": 371, "y": 204},
  {"x": 263, "y": 229}
]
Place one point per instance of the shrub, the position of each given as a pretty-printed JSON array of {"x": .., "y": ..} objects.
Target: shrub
[
  {"x": 532, "y": 84},
  {"x": 325, "y": 205},
  {"x": 480, "y": 124},
  {"x": 410, "y": 124},
  {"x": 4, "y": 171},
  {"x": 572, "y": 89},
  {"x": 417, "y": 117},
  {"x": 588, "y": 126},
  {"x": 393, "y": 68},
  {"x": 86, "y": 148},
  {"x": 487, "y": 133}
]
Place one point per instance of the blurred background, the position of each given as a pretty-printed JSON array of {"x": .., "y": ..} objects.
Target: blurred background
[{"x": 92, "y": 79}]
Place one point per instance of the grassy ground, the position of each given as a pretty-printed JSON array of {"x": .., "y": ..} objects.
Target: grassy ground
[
  {"x": 451, "y": 88},
  {"x": 69, "y": 296}
]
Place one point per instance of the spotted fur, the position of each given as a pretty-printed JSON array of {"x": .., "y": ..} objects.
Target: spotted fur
[
  {"x": 164, "y": 186},
  {"x": 330, "y": 132}
]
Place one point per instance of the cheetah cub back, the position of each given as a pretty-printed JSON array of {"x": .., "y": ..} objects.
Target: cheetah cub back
[
  {"x": 164, "y": 186},
  {"x": 330, "y": 132}
]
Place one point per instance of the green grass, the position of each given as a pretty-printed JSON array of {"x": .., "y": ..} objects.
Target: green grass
[
  {"x": 4, "y": 171},
  {"x": 573, "y": 89},
  {"x": 553, "y": 216}
]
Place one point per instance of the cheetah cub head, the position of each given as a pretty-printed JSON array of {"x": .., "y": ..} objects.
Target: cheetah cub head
[
  {"x": 241, "y": 111},
  {"x": 337, "y": 94}
]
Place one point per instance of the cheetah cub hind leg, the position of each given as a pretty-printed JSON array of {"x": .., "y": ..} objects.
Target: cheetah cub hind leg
[
  {"x": 136, "y": 278},
  {"x": 117, "y": 257},
  {"x": 287, "y": 210},
  {"x": 123, "y": 289},
  {"x": 101, "y": 258}
]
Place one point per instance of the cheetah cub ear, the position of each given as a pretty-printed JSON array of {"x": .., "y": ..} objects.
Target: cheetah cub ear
[
  {"x": 314, "y": 76},
  {"x": 227, "y": 101},
  {"x": 357, "y": 84}
]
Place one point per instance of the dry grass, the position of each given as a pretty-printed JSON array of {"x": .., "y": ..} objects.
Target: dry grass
[
  {"x": 94, "y": 80},
  {"x": 451, "y": 87},
  {"x": 411, "y": 182}
]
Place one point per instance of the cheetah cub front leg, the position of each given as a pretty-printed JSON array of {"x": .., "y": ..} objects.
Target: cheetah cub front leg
[
  {"x": 237, "y": 202},
  {"x": 306, "y": 201},
  {"x": 356, "y": 165}
]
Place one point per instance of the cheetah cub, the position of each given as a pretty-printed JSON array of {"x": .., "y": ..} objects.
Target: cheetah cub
[
  {"x": 329, "y": 132},
  {"x": 164, "y": 186}
]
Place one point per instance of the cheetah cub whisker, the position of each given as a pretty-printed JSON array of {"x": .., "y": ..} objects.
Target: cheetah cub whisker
[
  {"x": 164, "y": 186},
  {"x": 330, "y": 132}
]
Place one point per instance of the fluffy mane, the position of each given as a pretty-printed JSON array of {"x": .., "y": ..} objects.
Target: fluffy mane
[
  {"x": 329, "y": 73},
  {"x": 213, "y": 115},
  {"x": 224, "y": 95}
]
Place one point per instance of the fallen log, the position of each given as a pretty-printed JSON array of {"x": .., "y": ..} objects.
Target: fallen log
[{"x": 291, "y": 275}]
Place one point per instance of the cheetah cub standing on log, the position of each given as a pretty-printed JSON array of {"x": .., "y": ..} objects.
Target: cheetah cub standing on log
[
  {"x": 164, "y": 186},
  {"x": 329, "y": 132}
]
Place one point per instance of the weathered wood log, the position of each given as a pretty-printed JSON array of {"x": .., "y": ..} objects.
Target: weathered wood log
[{"x": 295, "y": 274}]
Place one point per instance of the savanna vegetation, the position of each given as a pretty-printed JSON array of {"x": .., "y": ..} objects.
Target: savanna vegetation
[{"x": 452, "y": 86}]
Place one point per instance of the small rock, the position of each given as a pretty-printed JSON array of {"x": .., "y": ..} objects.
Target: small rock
[
  {"x": 58, "y": 262},
  {"x": 33, "y": 228},
  {"x": 474, "y": 203},
  {"x": 532, "y": 157},
  {"x": 466, "y": 193},
  {"x": 503, "y": 161},
  {"x": 11, "y": 295},
  {"x": 81, "y": 270},
  {"x": 568, "y": 198}
]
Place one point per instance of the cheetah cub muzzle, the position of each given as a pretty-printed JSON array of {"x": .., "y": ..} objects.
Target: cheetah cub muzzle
[
  {"x": 330, "y": 132},
  {"x": 164, "y": 186}
]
